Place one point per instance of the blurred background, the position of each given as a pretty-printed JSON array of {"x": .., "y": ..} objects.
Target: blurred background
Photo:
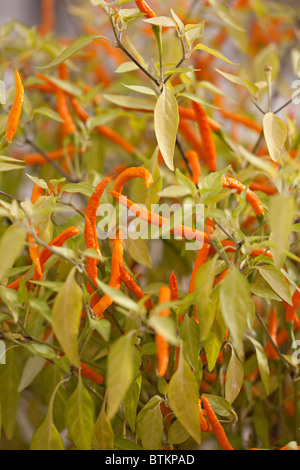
[{"x": 29, "y": 12}]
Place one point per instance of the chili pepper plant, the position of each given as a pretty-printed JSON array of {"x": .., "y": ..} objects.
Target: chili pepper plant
[{"x": 149, "y": 247}]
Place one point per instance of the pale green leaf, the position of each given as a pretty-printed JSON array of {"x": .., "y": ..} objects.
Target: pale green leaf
[
  {"x": 9, "y": 395},
  {"x": 166, "y": 120},
  {"x": 275, "y": 133},
  {"x": 11, "y": 246},
  {"x": 183, "y": 395},
  {"x": 277, "y": 281},
  {"x": 66, "y": 315},
  {"x": 49, "y": 113},
  {"x": 152, "y": 429},
  {"x": 234, "y": 378},
  {"x": 281, "y": 216},
  {"x": 263, "y": 364},
  {"x": 80, "y": 417},
  {"x": 103, "y": 431},
  {"x": 75, "y": 47},
  {"x": 213, "y": 52},
  {"x": 120, "y": 369}
]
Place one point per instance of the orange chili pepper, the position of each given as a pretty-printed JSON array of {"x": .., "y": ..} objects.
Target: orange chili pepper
[
  {"x": 15, "y": 111},
  {"x": 91, "y": 374},
  {"x": 134, "y": 287},
  {"x": 162, "y": 355},
  {"x": 208, "y": 145},
  {"x": 272, "y": 328},
  {"x": 193, "y": 160},
  {"x": 189, "y": 114},
  {"x": 173, "y": 286},
  {"x": 103, "y": 130},
  {"x": 144, "y": 8},
  {"x": 131, "y": 173},
  {"x": 59, "y": 240},
  {"x": 263, "y": 188},
  {"x": 251, "y": 197},
  {"x": 155, "y": 219},
  {"x": 236, "y": 117},
  {"x": 205, "y": 426},
  {"x": 202, "y": 256},
  {"x": 291, "y": 310},
  {"x": 90, "y": 235},
  {"x": 68, "y": 125},
  {"x": 38, "y": 159},
  {"x": 217, "y": 428},
  {"x": 47, "y": 17},
  {"x": 191, "y": 138},
  {"x": 115, "y": 276}
]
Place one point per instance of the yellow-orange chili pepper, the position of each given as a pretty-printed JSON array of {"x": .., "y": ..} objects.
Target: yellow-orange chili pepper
[
  {"x": 16, "y": 109},
  {"x": 162, "y": 353}
]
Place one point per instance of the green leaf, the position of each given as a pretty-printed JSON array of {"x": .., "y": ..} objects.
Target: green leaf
[
  {"x": 75, "y": 47},
  {"x": 213, "y": 52},
  {"x": 11, "y": 245},
  {"x": 236, "y": 306},
  {"x": 102, "y": 327},
  {"x": 126, "y": 67},
  {"x": 212, "y": 346},
  {"x": 152, "y": 429},
  {"x": 10, "y": 298},
  {"x": 119, "y": 372},
  {"x": 140, "y": 89},
  {"x": 164, "y": 21},
  {"x": 263, "y": 364},
  {"x": 31, "y": 369},
  {"x": 281, "y": 216},
  {"x": 119, "y": 297},
  {"x": 275, "y": 133},
  {"x": 177, "y": 434},
  {"x": 234, "y": 378},
  {"x": 276, "y": 280},
  {"x": 82, "y": 188},
  {"x": 205, "y": 307},
  {"x": 126, "y": 444},
  {"x": 9, "y": 395},
  {"x": 244, "y": 82},
  {"x": 47, "y": 437},
  {"x": 131, "y": 401},
  {"x": 224, "y": 14},
  {"x": 103, "y": 431},
  {"x": 197, "y": 99},
  {"x": 10, "y": 167},
  {"x": 221, "y": 406},
  {"x": 66, "y": 315},
  {"x": 183, "y": 395},
  {"x": 130, "y": 102},
  {"x": 80, "y": 417},
  {"x": 189, "y": 333},
  {"x": 138, "y": 250},
  {"x": 49, "y": 113},
  {"x": 166, "y": 327},
  {"x": 166, "y": 120}
]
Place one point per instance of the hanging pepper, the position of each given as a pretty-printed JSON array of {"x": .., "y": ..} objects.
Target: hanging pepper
[
  {"x": 162, "y": 354},
  {"x": 16, "y": 109}
]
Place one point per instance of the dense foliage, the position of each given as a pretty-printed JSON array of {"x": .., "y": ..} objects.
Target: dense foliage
[{"x": 154, "y": 341}]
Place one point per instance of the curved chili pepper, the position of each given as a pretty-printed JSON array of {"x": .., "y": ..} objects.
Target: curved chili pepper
[
  {"x": 217, "y": 428},
  {"x": 251, "y": 197},
  {"x": 205, "y": 425},
  {"x": 155, "y": 219},
  {"x": 263, "y": 188},
  {"x": 16, "y": 109},
  {"x": 208, "y": 145},
  {"x": 131, "y": 173},
  {"x": 291, "y": 310},
  {"x": 236, "y": 117},
  {"x": 144, "y": 8},
  {"x": 162, "y": 354}
]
